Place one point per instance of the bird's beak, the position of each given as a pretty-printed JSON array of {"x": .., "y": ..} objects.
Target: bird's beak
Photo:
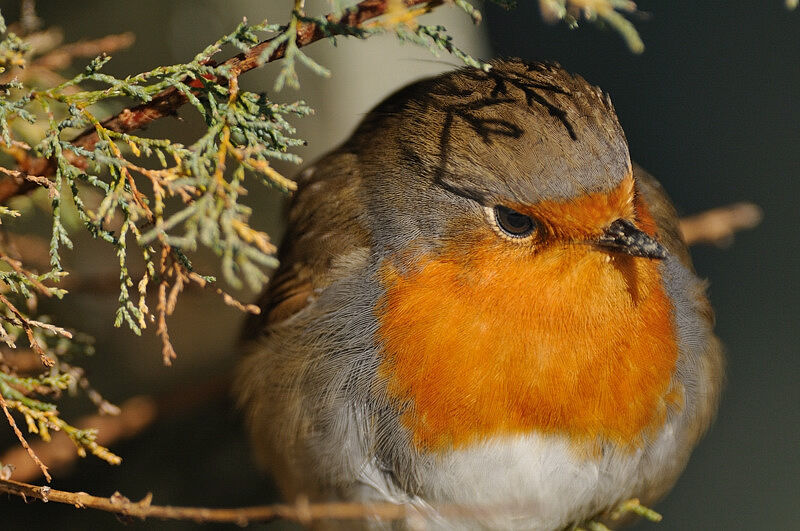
[{"x": 623, "y": 236}]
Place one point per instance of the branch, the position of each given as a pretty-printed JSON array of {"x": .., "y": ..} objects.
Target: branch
[
  {"x": 62, "y": 57},
  {"x": 301, "y": 511},
  {"x": 22, "y": 440},
  {"x": 18, "y": 177},
  {"x": 167, "y": 102},
  {"x": 718, "y": 225},
  {"x": 30, "y": 170}
]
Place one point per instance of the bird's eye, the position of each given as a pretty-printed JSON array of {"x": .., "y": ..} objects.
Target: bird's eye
[{"x": 513, "y": 223}]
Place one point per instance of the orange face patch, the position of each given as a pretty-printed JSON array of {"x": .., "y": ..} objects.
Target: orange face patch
[
  {"x": 585, "y": 216},
  {"x": 566, "y": 339}
]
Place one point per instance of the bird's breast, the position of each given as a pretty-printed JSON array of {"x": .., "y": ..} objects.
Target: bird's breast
[{"x": 569, "y": 340}]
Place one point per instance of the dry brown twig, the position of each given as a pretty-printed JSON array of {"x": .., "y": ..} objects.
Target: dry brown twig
[
  {"x": 32, "y": 179},
  {"x": 22, "y": 440},
  {"x": 63, "y": 56},
  {"x": 301, "y": 511},
  {"x": 28, "y": 324},
  {"x": 718, "y": 225}
]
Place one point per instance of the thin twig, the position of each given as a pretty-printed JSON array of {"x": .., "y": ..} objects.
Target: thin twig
[
  {"x": 302, "y": 511},
  {"x": 37, "y": 179},
  {"x": 25, "y": 323},
  {"x": 119, "y": 504},
  {"x": 25, "y": 181},
  {"x": 22, "y": 440},
  {"x": 718, "y": 225},
  {"x": 16, "y": 265},
  {"x": 62, "y": 57}
]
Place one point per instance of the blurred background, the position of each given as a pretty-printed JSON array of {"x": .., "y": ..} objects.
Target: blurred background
[{"x": 712, "y": 108}]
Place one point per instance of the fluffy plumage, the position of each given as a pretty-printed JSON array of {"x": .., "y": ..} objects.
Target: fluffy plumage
[{"x": 410, "y": 352}]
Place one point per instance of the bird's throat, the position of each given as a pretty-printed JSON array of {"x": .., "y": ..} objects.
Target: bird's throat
[{"x": 569, "y": 341}]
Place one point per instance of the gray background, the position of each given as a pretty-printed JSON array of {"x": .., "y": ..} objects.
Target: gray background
[{"x": 712, "y": 108}]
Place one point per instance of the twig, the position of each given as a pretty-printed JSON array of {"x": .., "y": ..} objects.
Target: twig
[
  {"x": 62, "y": 57},
  {"x": 26, "y": 323},
  {"x": 15, "y": 185},
  {"x": 119, "y": 504},
  {"x": 302, "y": 511},
  {"x": 34, "y": 179},
  {"x": 22, "y": 440},
  {"x": 718, "y": 225},
  {"x": 16, "y": 265}
]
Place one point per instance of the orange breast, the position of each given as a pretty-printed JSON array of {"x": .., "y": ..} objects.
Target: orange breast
[{"x": 501, "y": 340}]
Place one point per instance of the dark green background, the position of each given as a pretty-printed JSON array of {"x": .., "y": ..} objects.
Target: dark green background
[{"x": 712, "y": 108}]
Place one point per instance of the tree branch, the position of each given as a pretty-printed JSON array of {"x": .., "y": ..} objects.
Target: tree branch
[
  {"x": 167, "y": 102},
  {"x": 302, "y": 511}
]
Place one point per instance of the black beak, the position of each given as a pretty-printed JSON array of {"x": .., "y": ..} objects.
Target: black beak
[{"x": 623, "y": 236}]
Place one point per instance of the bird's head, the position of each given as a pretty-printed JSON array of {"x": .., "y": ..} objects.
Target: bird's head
[{"x": 520, "y": 267}]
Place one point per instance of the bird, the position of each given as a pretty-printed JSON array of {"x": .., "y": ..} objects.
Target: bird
[{"x": 482, "y": 302}]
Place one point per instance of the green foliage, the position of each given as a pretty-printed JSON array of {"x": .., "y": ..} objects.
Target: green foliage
[
  {"x": 245, "y": 130},
  {"x": 101, "y": 181},
  {"x": 288, "y": 38},
  {"x": 436, "y": 39}
]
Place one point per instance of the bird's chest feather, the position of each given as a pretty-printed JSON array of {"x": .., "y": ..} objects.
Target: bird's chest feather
[{"x": 566, "y": 341}]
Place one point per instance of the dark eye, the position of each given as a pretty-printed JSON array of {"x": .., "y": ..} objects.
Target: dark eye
[{"x": 513, "y": 223}]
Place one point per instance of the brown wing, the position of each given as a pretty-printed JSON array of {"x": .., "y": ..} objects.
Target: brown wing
[{"x": 324, "y": 223}]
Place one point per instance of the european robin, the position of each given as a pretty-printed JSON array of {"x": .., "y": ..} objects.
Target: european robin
[{"x": 483, "y": 302}]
